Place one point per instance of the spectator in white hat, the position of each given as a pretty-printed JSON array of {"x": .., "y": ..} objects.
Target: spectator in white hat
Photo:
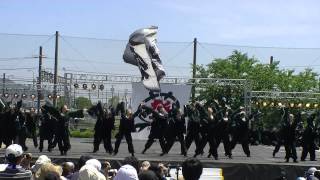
[
  {"x": 310, "y": 173},
  {"x": 91, "y": 171},
  {"x": 43, "y": 159},
  {"x": 14, "y": 156}
]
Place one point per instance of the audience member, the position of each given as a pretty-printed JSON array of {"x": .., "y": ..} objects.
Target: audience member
[
  {"x": 91, "y": 171},
  {"x": 144, "y": 166},
  {"x": 67, "y": 170},
  {"x": 129, "y": 170},
  {"x": 14, "y": 156},
  {"x": 157, "y": 170},
  {"x": 310, "y": 173},
  {"x": 107, "y": 171},
  {"x": 191, "y": 169},
  {"x": 82, "y": 161},
  {"x": 43, "y": 159},
  {"x": 52, "y": 176},
  {"x": 148, "y": 175},
  {"x": 26, "y": 161},
  {"x": 48, "y": 168}
]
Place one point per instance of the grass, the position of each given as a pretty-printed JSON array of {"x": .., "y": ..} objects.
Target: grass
[
  {"x": 87, "y": 133},
  {"x": 85, "y": 130}
]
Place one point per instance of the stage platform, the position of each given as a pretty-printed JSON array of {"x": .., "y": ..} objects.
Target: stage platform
[{"x": 261, "y": 165}]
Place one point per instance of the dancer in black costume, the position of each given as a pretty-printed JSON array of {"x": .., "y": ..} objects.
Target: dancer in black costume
[
  {"x": 158, "y": 127},
  {"x": 125, "y": 128}
]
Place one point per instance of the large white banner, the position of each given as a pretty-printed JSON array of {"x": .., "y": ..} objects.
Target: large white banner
[{"x": 169, "y": 93}]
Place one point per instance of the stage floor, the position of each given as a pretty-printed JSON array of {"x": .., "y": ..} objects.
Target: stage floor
[{"x": 260, "y": 155}]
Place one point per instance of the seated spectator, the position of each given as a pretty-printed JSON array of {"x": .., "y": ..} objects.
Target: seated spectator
[
  {"x": 129, "y": 170},
  {"x": 310, "y": 173},
  {"x": 191, "y": 169},
  {"x": 82, "y": 161},
  {"x": 163, "y": 170},
  {"x": 157, "y": 170},
  {"x": 52, "y": 176},
  {"x": 67, "y": 170},
  {"x": 14, "y": 156},
  {"x": 144, "y": 166},
  {"x": 148, "y": 175},
  {"x": 91, "y": 171},
  {"x": 43, "y": 159},
  {"x": 48, "y": 168},
  {"x": 25, "y": 163},
  {"x": 107, "y": 171}
]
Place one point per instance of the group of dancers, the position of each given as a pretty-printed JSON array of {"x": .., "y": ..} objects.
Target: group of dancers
[
  {"x": 211, "y": 123},
  {"x": 198, "y": 123},
  {"x": 16, "y": 125}
]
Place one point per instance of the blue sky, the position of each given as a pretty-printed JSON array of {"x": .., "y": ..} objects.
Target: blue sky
[
  {"x": 275, "y": 23},
  {"x": 293, "y": 23}
]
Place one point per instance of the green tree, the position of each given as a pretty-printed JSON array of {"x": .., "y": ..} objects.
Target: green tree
[{"x": 262, "y": 77}]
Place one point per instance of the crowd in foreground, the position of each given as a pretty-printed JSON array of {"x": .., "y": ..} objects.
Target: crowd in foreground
[{"x": 18, "y": 166}]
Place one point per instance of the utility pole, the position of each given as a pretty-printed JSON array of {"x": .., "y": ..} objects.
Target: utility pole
[
  {"x": 194, "y": 64},
  {"x": 55, "y": 70},
  {"x": 271, "y": 60},
  {"x": 3, "y": 83},
  {"x": 39, "y": 80}
]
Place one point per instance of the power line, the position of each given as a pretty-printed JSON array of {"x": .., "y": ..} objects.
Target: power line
[
  {"x": 4, "y": 59},
  {"x": 13, "y": 69},
  {"x": 15, "y": 34},
  {"x": 77, "y": 51},
  {"x": 261, "y": 47},
  {"x": 179, "y": 52}
]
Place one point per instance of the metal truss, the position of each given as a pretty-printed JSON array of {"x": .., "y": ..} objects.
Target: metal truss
[
  {"x": 285, "y": 95},
  {"x": 171, "y": 80}
]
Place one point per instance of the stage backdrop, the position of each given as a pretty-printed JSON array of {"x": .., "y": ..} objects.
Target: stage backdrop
[{"x": 169, "y": 93}]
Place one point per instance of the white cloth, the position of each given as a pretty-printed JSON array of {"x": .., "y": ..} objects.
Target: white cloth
[{"x": 126, "y": 172}]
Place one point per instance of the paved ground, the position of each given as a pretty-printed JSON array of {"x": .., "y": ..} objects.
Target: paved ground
[{"x": 259, "y": 154}]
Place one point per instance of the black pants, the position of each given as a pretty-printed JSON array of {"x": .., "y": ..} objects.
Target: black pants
[
  {"x": 193, "y": 135},
  {"x": 63, "y": 142},
  {"x": 41, "y": 143},
  {"x": 226, "y": 143},
  {"x": 106, "y": 138},
  {"x": 151, "y": 139},
  {"x": 308, "y": 148},
  {"x": 290, "y": 150},
  {"x": 277, "y": 148},
  {"x": 243, "y": 139},
  {"x": 22, "y": 141},
  {"x": 208, "y": 138},
  {"x": 171, "y": 140},
  {"x": 119, "y": 137},
  {"x": 33, "y": 135}
]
